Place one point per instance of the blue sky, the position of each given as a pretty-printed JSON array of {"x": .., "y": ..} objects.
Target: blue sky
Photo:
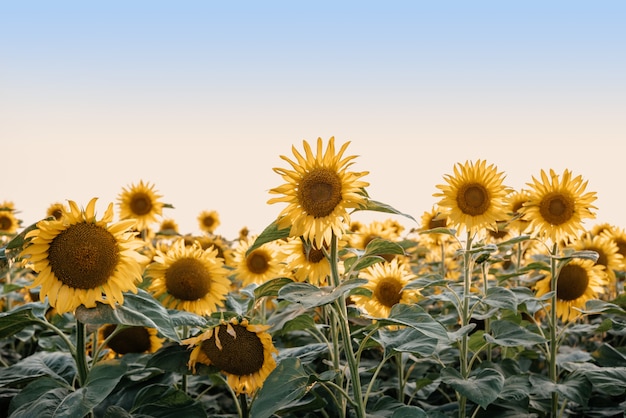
[{"x": 201, "y": 98}]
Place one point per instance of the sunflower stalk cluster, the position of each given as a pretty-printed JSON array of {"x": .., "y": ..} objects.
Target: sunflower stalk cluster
[{"x": 495, "y": 303}]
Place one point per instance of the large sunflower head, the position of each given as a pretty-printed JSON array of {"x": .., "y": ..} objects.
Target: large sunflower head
[
  {"x": 557, "y": 206},
  {"x": 140, "y": 201},
  {"x": 260, "y": 265},
  {"x": 9, "y": 224},
  {"x": 81, "y": 261},
  {"x": 189, "y": 278},
  {"x": 386, "y": 281},
  {"x": 474, "y": 197},
  {"x": 578, "y": 281},
  {"x": 132, "y": 339},
  {"x": 608, "y": 252},
  {"x": 318, "y": 192},
  {"x": 242, "y": 351},
  {"x": 208, "y": 220}
]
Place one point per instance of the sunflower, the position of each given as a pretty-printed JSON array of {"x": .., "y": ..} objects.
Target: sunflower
[
  {"x": 8, "y": 222},
  {"x": 557, "y": 206},
  {"x": 219, "y": 243},
  {"x": 208, "y": 221},
  {"x": 307, "y": 262},
  {"x": 578, "y": 281},
  {"x": 132, "y": 339},
  {"x": 56, "y": 210},
  {"x": 474, "y": 197},
  {"x": 514, "y": 203},
  {"x": 386, "y": 281},
  {"x": 81, "y": 261},
  {"x": 260, "y": 265},
  {"x": 433, "y": 219},
  {"x": 618, "y": 235},
  {"x": 240, "y": 350},
  {"x": 319, "y": 191},
  {"x": 608, "y": 253},
  {"x": 141, "y": 202},
  {"x": 189, "y": 278}
]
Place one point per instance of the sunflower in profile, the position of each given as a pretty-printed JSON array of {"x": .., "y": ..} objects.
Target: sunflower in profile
[
  {"x": 578, "y": 281},
  {"x": 8, "y": 222},
  {"x": 319, "y": 191},
  {"x": 307, "y": 262},
  {"x": 189, "y": 278},
  {"x": 140, "y": 201},
  {"x": 208, "y": 220},
  {"x": 260, "y": 265},
  {"x": 242, "y": 351},
  {"x": 386, "y": 281},
  {"x": 557, "y": 206},
  {"x": 515, "y": 202},
  {"x": 474, "y": 197},
  {"x": 81, "y": 261},
  {"x": 132, "y": 339},
  {"x": 56, "y": 210}
]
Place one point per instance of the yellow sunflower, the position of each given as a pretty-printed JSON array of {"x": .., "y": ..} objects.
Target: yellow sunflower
[
  {"x": 515, "y": 202},
  {"x": 618, "y": 236},
  {"x": 386, "y": 280},
  {"x": 56, "y": 210},
  {"x": 307, "y": 262},
  {"x": 8, "y": 222},
  {"x": 133, "y": 339},
  {"x": 208, "y": 220},
  {"x": 433, "y": 219},
  {"x": 319, "y": 191},
  {"x": 474, "y": 197},
  {"x": 189, "y": 278},
  {"x": 141, "y": 202},
  {"x": 578, "y": 281},
  {"x": 608, "y": 253},
  {"x": 242, "y": 351},
  {"x": 219, "y": 243},
  {"x": 261, "y": 265},
  {"x": 557, "y": 206},
  {"x": 81, "y": 261}
]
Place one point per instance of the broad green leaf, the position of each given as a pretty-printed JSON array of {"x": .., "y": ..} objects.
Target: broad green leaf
[
  {"x": 596, "y": 306},
  {"x": 514, "y": 240},
  {"x": 574, "y": 387},
  {"x": 101, "y": 381},
  {"x": 309, "y": 353},
  {"x": 406, "y": 340},
  {"x": 287, "y": 383},
  {"x": 269, "y": 234},
  {"x": 139, "y": 309},
  {"x": 415, "y": 317},
  {"x": 42, "y": 392},
  {"x": 482, "y": 387},
  {"x": 21, "y": 317},
  {"x": 508, "y": 334},
  {"x": 381, "y": 207},
  {"x": 379, "y": 246},
  {"x": 409, "y": 411},
  {"x": 516, "y": 388},
  {"x": 608, "y": 380},
  {"x": 607, "y": 356},
  {"x": 310, "y": 296},
  {"x": 56, "y": 365},
  {"x": 172, "y": 358},
  {"x": 501, "y": 297},
  {"x": 299, "y": 323},
  {"x": 17, "y": 242},
  {"x": 182, "y": 318},
  {"x": 165, "y": 401},
  {"x": 272, "y": 287}
]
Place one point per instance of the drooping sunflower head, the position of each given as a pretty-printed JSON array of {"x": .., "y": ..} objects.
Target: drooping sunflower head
[
  {"x": 242, "y": 351},
  {"x": 558, "y": 205},
  {"x": 578, "y": 281},
  {"x": 386, "y": 281},
  {"x": 189, "y": 278},
  {"x": 260, "y": 265},
  {"x": 318, "y": 192},
  {"x": 208, "y": 220},
  {"x": 133, "y": 339},
  {"x": 81, "y": 261},
  {"x": 56, "y": 210},
  {"x": 141, "y": 202},
  {"x": 474, "y": 197}
]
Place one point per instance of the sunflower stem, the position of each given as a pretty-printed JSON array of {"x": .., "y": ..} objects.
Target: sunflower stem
[
  {"x": 243, "y": 401},
  {"x": 553, "y": 328},
  {"x": 464, "y": 353},
  {"x": 81, "y": 353},
  {"x": 483, "y": 269}
]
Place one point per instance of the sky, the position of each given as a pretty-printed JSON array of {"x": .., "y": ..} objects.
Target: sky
[{"x": 201, "y": 98}]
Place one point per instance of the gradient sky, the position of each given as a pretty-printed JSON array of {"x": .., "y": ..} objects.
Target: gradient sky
[{"x": 201, "y": 98}]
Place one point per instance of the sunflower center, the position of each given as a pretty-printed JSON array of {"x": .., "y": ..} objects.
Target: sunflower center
[
  {"x": 437, "y": 223},
  {"x": 141, "y": 204},
  {"x": 57, "y": 213},
  {"x": 83, "y": 256},
  {"x": 572, "y": 282},
  {"x": 241, "y": 355},
  {"x": 473, "y": 199},
  {"x": 389, "y": 291},
  {"x": 5, "y": 223},
  {"x": 187, "y": 279},
  {"x": 128, "y": 340},
  {"x": 257, "y": 262},
  {"x": 603, "y": 258},
  {"x": 557, "y": 208},
  {"x": 315, "y": 255},
  {"x": 320, "y": 192},
  {"x": 208, "y": 221}
]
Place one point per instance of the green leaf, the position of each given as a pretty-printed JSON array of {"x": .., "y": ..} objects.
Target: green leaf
[
  {"x": 39, "y": 398},
  {"x": 409, "y": 411},
  {"x": 501, "y": 297},
  {"x": 172, "y": 358},
  {"x": 18, "y": 241},
  {"x": 310, "y": 296},
  {"x": 482, "y": 387},
  {"x": 287, "y": 383},
  {"x": 165, "y": 401},
  {"x": 509, "y": 334},
  {"x": 415, "y": 317},
  {"x": 271, "y": 288},
  {"x": 139, "y": 309},
  {"x": 182, "y": 318},
  {"x": 516, "y": 388},
  {"x": 269, "y": 234},
  {"x": 379, "y": 246},
  {"x": 373, "y": 205},
  {"x": 299, "y": 323},
  {"x": 596, "y": 306},
  {"x": 406, "y": 340},
  {"x": 607, "y": 380},
  {"x": 56, "y": 365},
  {"x": 101, "y": 381},
  {"x": 21, "y": 317}
]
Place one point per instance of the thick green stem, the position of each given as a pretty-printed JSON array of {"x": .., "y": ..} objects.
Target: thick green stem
[
  {"x": 553, "y": 329},
  {"x": 485, "y": 273},
  {"x": 81, "y": 353},
  {"x": 465, "y": 318}
]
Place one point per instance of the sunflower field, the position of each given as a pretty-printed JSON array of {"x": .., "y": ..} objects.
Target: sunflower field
[{"x": 497, "y": 303}]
